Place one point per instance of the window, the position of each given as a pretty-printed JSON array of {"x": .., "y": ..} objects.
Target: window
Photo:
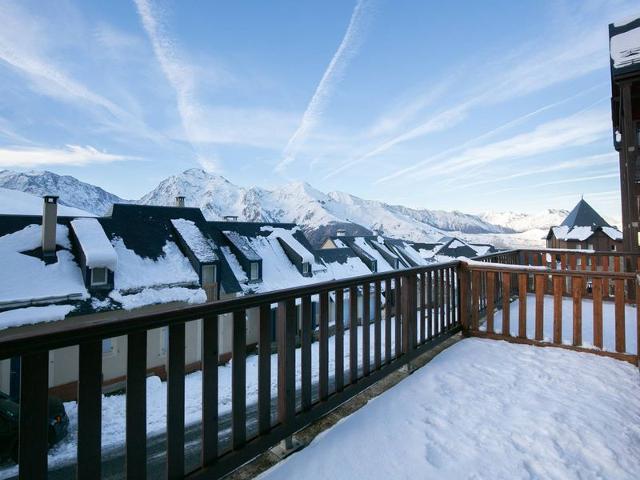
[
  {"x": 98, "y": 276},
  {"x": 613, "y": 248},
  {"x": 255, "y": 270},
  {"x": 590, "y": 246},
  {"x": 107, "y": 346},
  {"x": 208, "y": 274},
  {"x": 305, "y": 268},
  {"x": 164, "y": 340}
]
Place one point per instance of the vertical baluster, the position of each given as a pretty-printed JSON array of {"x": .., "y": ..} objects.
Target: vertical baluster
[
  {"x": 540, "y": 287},
  {"x": 323, "y": 346},
  {"x": 506, "y": 303},
  {"x": 475, "y": 300},
  {"x": 366, "y": 318},
  {"x": 597, "y": 312},
  {"x": 441, "y": 301},
  {"x": 353, "y": 334},
  {"x": 305, "y": 353},
  {"x": 619, "y": 315},
  {"x": 409, "y": 317},
  {"x": 33, "y": 444},
  {"x": 286, "y": 332},
  {"x": 210, "y": 390},
  {"x": 577, "y": 310},
  {"x": 339, "y": 341},
  {"x": 397, "y": 310},
  {"x": 490, "y": 300},
  {"x": 447, "y": 294},
  {"x": 605, "y": 280},
  {"x": 239, "y": 379},
  {"x": 377, "y": 305},
  {"x": 175, "y": 402},
  {"x": 429, "y": 305},
  {"x": 423, "y": 309},
  {"x": 89, "y": 409},
  {"x": 387, "y": 320},
  {"x": 522, "y": 305},
  {"x": 264, "y": 370},
  {"x": 558, "y": 290},
  {"x": 136, "y": 442}
]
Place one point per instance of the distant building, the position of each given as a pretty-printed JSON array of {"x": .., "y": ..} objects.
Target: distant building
[
  {"x": 584, "y": 228},
  {"x": 624, "y": 46}
]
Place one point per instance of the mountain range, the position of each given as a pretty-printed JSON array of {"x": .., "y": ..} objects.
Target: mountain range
[{"x": 319, "y": 213}]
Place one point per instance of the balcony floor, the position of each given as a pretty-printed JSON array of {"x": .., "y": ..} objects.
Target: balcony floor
[{"x": 489, "y": 409}]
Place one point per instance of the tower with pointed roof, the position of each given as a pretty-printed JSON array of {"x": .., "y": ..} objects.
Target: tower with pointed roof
[{"x": 584, "y": 228}]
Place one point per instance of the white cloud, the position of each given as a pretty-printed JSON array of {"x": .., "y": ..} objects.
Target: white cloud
[
  {"x": 75, "y": 155},
  {"x": 345, "y": 52}
]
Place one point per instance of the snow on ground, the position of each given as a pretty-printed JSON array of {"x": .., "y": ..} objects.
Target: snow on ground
[
  {"x": 14, "y": 202},
  {"x": 31, "y": 279},
  {"x": 113, "y": 406},
  {"x": 133, "y": 271},
  {"x": 608, "y": 322},
  {"x": 488, "y": 409},
  {"x": 95, "y": 245},
  {"x": 31, "y": 315}
]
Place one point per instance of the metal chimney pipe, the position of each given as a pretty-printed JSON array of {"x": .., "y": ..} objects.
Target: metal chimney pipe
[
  {"x": 180, "y": 201},
  {"x": 49, "y": 222},
  {"x": 341, "y": 232}
]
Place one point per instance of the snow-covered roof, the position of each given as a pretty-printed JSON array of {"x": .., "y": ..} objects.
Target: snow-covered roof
[
  {"x": 135, "y": 272},
  {"x": 234, "y": 264},
  {"x": 382, "y": 264},
  {"x": 243, "y": 245},
  {"x": 95, "y": 245},
  {"x": 572, "y": 233},
  {"x": 287, "y": 236},
  {"x": 612, "y": 233},
  {"x": 28, "y": 279},
  {"x": 203, "y": 248},
  {"x": 624, "y": 44}
]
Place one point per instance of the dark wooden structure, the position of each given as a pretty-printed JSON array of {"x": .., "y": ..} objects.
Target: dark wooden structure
[{"x": 624, "y": 45}]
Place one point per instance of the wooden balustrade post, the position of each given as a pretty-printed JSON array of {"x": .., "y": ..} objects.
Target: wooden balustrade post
[
  {"x": 464, "y": 277},
  {"x": 409, "y": 311}
]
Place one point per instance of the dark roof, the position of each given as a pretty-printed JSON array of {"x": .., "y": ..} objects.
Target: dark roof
[
  {"x": 340, "y": 255},
  {"x": 464, "y": 250},
  {"x": 583, "y": 215},
  {"x": 254, "y": 229}
]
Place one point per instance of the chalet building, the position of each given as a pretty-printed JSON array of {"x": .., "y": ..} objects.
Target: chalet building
[
  {"x": 624, "y": 46},
  {"x": 584, "y": 228},
  {"x": 143, "y": 259}
]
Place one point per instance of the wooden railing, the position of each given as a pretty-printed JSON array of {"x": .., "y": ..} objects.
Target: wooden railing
[
  {"x": 382, "y": 320},
  {"x": 412, "y": 311},
  {"x": 529, "y": 304}
]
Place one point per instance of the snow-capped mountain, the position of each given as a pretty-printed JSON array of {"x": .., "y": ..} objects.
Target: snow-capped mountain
[
  {"x": 72, "y": 192},
  {"x": 301, "y": 203},
  {"x": 320, "y": 214},
  {"x": 522, "y": 222},
  {"x": 15, "y": 202}
]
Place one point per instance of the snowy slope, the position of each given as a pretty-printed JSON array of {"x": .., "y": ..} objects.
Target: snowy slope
[
  {"x": 14, "y": 202},
  {"x": 72, "y": 192},
  {"x": 521, "y": 222},
  {"x": 301, "y": 203}
]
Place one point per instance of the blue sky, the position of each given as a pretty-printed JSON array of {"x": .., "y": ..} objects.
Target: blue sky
[{"x": 471, "y": 105}]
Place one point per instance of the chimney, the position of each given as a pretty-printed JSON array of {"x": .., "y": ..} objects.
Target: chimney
[
  {"x": 49, "y": 221},
  {"x": 231, "y": 218},
  {"x": 180, "y": 201},
  {"x": 341, "y": 232}
]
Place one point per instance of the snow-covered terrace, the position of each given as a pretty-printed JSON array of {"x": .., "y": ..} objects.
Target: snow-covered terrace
[{"x": 488, "y": 409}]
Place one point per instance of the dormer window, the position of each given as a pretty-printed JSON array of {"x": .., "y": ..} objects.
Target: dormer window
[
  {"x": 255, "y": 271},
  {"x": 209, "y": 274},
  {"x": 306, "y": 268},
  {"x": 99, "y": 276}
]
